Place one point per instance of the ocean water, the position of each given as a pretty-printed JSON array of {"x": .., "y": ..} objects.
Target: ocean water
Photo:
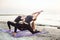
[{"x": 47, "y": 19}]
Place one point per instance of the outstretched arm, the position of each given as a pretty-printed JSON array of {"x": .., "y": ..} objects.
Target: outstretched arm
[
  {"x": 34, "y": 18},
  {"x": 36, "y": 14}
]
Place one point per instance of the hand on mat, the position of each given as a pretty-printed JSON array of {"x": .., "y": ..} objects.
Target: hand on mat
[
  {"x": 13, "y": 34},
  {"x": 9, "y": 30}
]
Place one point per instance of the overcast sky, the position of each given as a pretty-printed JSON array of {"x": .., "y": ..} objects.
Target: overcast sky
[
  {"x": 29, "y": 6},
  {"x": 51, "y": 8}
]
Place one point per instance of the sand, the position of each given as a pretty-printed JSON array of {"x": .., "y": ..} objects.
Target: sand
[{"x": 53, "y": 34}]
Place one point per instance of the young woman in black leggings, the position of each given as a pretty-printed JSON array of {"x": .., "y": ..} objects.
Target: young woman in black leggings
[
  {"x": 20, "y": 26},
  {"x": 23, "y": 26}
]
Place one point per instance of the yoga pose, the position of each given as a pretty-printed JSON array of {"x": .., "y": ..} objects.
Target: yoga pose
[{"x": 27, "y": 23}]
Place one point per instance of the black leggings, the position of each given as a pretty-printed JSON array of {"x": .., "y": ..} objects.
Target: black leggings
[{"x": 19, "y": 26}]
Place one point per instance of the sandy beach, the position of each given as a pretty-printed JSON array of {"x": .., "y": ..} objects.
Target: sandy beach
[{"x": 53, "y": 34}]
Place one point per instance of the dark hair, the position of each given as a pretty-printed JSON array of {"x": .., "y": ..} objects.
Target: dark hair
[
  {"x": 18, "y": 19},
  {"x": 28, "y": 19}
]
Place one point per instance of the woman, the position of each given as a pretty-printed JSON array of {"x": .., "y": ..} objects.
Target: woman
[
  {"x": 28, "y": 23},
  {"x": 30, "y": 19}
]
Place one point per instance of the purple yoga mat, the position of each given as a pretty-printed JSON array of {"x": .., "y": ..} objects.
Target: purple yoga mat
[{"x": 25, "y": 33}]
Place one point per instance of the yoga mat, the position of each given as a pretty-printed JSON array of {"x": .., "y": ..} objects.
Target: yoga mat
[{"x": 25, "y": 33}]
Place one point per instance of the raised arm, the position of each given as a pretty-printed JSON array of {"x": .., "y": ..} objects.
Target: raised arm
[{"x": 36, "y": 14}]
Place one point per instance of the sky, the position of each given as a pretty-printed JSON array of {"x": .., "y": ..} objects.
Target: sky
[
  {"x": 51, "y": 9},
  {"x": 28, "y": 6}
]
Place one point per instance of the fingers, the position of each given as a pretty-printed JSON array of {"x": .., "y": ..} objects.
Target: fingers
[{"x": 40, "y": 11}]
